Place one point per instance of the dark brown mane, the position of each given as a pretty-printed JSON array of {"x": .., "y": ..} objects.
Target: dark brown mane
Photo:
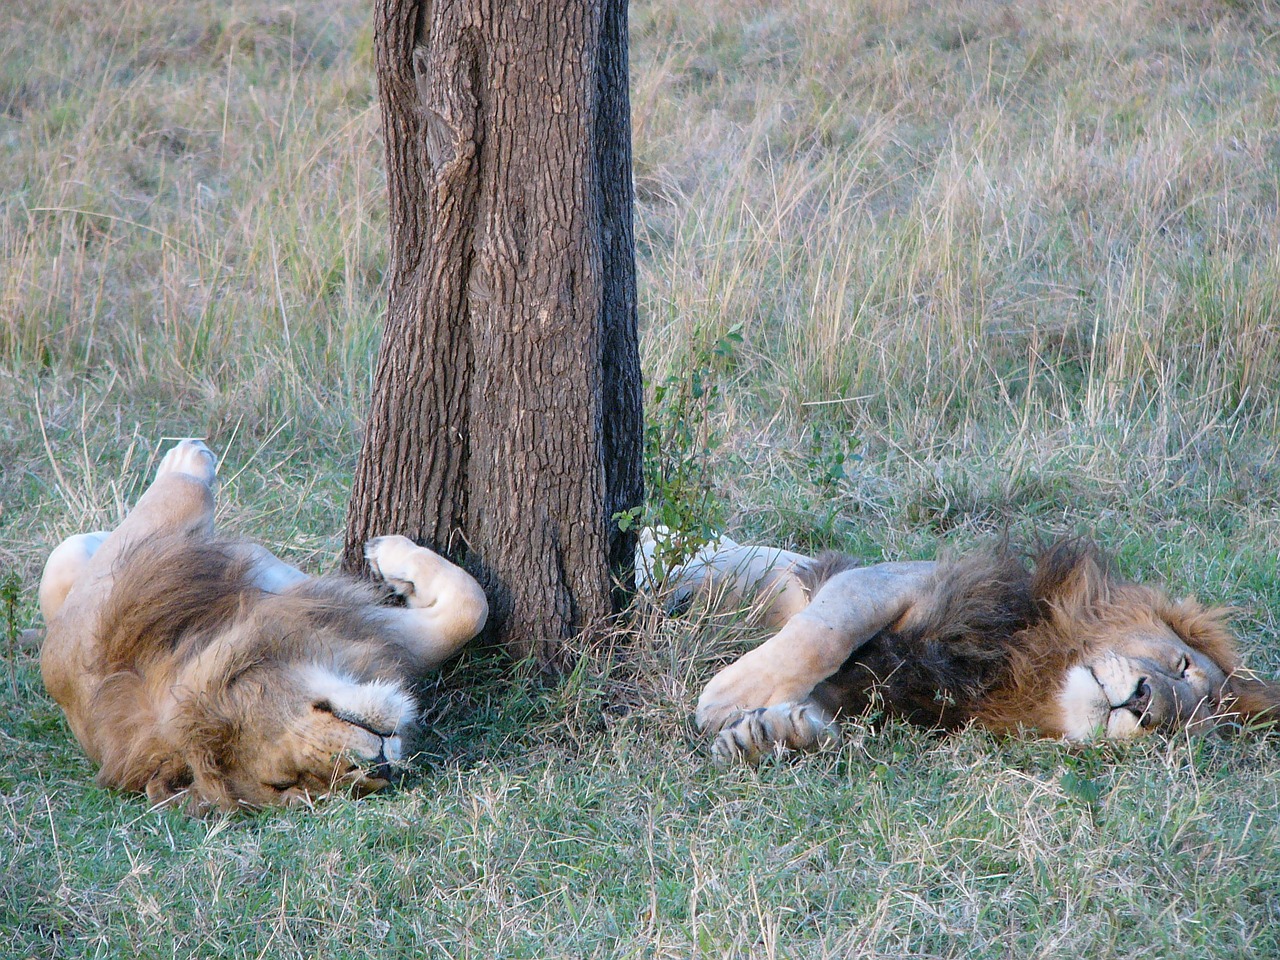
[
  {"x": 1073, "y": 575},
  {"x": 1072, "y": 581},
  {"x": 167, "y": 590},
  {"x": 991, "y": 639},
  {"x": 950, "y": 652}
]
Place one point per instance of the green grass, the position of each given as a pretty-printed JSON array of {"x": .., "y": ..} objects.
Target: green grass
[{"x": 996, "y": 268}]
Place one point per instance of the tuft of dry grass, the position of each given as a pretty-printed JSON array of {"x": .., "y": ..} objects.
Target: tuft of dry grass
[
  {"x": 964, "y": 232},
  {"x": 996, "y": 268}
]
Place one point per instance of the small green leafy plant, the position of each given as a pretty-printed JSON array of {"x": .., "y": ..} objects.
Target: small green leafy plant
[
  {"x": 831, "y": 453},
  {"x": 683, "y": 511}
]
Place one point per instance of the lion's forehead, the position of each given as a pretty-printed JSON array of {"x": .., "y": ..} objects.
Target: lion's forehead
[{"x": 1154, "y": 643}]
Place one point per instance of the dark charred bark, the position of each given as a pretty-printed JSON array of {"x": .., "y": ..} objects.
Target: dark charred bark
[{"x": 505, "y": 424}]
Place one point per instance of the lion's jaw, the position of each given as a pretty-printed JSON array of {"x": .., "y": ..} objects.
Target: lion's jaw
[{"x": 1139, "y": 681}]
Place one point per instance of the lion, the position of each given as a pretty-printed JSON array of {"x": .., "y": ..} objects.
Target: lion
[
  {"x": 206, "y": 671},
  {"x": 1063, "y": 648}
]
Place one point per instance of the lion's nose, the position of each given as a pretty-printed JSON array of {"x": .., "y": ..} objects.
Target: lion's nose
[
  {"x": 1140, "y": 702},
  {"x": 379, "y": 767}
]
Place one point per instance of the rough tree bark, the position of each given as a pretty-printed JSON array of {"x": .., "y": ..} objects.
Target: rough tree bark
[{"x": 505, "y": 424}]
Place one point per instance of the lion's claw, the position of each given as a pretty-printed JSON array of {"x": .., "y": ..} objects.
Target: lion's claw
[{"x": 784, "y": 726}]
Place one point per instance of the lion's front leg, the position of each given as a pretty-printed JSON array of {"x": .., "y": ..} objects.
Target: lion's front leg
[
  {"x": 445, "y": 605},
  {"x": 783, "y": 669},
  {"x": 847, "y": 610}
]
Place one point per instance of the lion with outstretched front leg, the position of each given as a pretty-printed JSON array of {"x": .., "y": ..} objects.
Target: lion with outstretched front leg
[
  {"x": 1062, "y": 647},
  {"x": 194, "y": 666}
]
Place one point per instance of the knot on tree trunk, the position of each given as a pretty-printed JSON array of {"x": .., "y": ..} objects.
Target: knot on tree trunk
[{"x": 450, "y": 106}]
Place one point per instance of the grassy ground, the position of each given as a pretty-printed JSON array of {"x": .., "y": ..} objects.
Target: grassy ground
[{"x": 995, "y": 267}]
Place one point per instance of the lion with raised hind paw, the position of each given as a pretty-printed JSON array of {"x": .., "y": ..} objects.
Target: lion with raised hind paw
[
  {"x": 1062, "y": 648},
  {"x": 206, "y": 670}
]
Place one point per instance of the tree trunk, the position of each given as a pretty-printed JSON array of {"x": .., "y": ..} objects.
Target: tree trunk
[{"x": 505, "y": 424}]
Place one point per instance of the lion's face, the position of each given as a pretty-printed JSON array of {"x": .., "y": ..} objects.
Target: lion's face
[
  {"x": 1138, "y": 660},
  {"x": 1138, "y": 679},
  {"x": 284, "y": 734}
]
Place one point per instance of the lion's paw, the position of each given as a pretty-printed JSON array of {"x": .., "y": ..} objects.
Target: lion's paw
[
  {"x": 190, "y": 457},
  {"x": 391, "y": 558},
  {"x": 753, "y": 680},
  {"x": 785, "y": 726}
]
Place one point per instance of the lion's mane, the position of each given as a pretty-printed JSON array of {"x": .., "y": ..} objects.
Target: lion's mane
[{"x": 993, "y": 636}]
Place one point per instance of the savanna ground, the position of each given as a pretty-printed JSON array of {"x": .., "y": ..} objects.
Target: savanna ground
[{"x": 994, "y": 268}]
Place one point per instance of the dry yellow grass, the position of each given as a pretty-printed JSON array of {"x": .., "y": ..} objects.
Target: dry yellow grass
[{"x": 1021, "y": 259}]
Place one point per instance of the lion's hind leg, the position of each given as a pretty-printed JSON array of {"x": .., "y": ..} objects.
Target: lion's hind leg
[
  {"x": 71, "y": 561},
  {"x": 190, "y": 458},
  {"x": 65, "y": 568},
  {"x": 801, "y": 726},
  {"x": 267, "y": 571},
  {"x": 763, "y": 582},
  {"x": 179, "y": 501}
]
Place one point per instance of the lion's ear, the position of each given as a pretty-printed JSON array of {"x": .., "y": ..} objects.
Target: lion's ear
[
  {"x": 1071, "y": 574},
  {"x": 171, "y": 779},
  {"x": 1252, "y": 700}
]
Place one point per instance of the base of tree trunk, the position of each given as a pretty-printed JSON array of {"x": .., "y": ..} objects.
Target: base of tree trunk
[{"x": 505, "y": 424}]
